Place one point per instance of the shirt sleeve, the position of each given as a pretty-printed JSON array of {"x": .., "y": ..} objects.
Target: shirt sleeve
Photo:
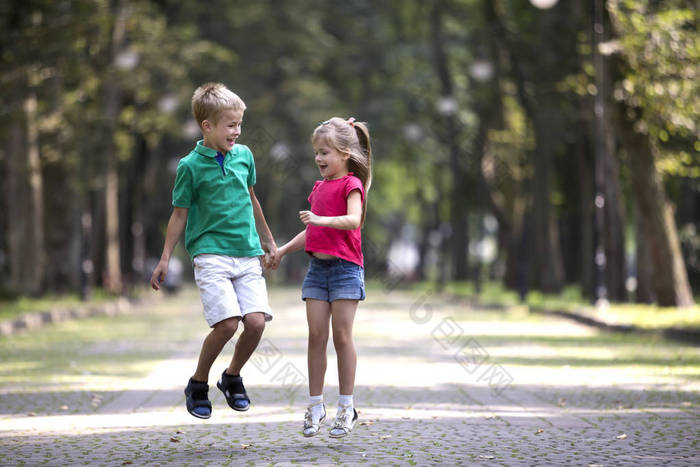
[
  {"x": 182, "y": 191},
  {"x": 251, "y": 172},
  {"x": 354, "y": 183}
]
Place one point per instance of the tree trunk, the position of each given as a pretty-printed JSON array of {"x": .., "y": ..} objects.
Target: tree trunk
[
  {"x": 659, "y": 227},
  {"x": 645, "y": 289},
  {"x": 16, "y": 207},
  {"x": 616, "y": 271},
  {"x": 35, "y": 251},
  {"x": 460, "y": 180},
  {"x": 111, "y": 95},
  {"x": 585, "y": 164},
  {"x": 548, "y": 272}
]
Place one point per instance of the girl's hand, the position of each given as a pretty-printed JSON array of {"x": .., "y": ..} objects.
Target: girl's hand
[
  {"x": 275, "y": 259},
  {"x": 308, "y": 217}
]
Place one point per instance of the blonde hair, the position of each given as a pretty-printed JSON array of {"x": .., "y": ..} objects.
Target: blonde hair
[
  {"x": 211, "y": 99},
  {"x": 351, "y": 137}
]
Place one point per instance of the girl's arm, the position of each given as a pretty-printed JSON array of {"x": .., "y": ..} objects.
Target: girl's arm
[
  {"x": 350, "y": 221},
  {"x": 295, "y": 244}
]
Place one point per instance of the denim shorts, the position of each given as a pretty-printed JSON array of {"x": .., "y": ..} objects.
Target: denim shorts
[{"x": 333, "y": 279}]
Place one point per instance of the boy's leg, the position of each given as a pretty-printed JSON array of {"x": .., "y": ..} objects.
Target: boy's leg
[
  {"x": 343, "y": 316},
  {"x": 253, "y": 327},
  {"x": 251, "y": 297},
  {"x": 222, "y": 332},
  {"x": 213, "y": 273},
  {"x": 318, "y": 315}
]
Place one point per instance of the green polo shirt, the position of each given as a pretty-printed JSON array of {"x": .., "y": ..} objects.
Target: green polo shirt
[{"x": 220, "y": 217}]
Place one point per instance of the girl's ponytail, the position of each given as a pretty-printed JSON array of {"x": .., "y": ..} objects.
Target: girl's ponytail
[{"x": 363, "y": 170}]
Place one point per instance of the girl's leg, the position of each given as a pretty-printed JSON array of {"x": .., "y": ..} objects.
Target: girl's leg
[
  {"x": 318, "y": 314},
  {"x": 343, "y": 313}
]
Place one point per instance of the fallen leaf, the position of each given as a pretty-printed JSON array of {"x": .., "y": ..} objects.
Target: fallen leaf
[
  {"x": 31, "y": 414},
  {"x": 383, "y": 437},
  {"x": 174, "y": 439},
  {"x": 178, "y": 432},
  {"x": 482, "y": 456},
  {"x": 622, "y": 436},
  {"x": 244, "y": 446},
  {"x": 127, "y": 463},
  {"x": 539, "y": 430},
  {"x": 367, "y": 422}
]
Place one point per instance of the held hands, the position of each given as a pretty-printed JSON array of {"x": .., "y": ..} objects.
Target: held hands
[
  {"x": 308, "y": 217},
  {"x": 272, "y": 257}
]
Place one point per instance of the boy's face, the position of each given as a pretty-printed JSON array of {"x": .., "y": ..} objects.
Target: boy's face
[{"x": 221, "y": 136}]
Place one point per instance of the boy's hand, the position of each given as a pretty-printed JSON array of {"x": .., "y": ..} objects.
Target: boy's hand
[
  {"x": 308, "y": 217},
  {"x": 159, "y": 274},
  {"x": 275, "y": 259},
  {"x": 270, "y": 260}
]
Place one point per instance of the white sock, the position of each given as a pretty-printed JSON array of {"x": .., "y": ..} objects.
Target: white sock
[
  {"x": 316, "y": 403},
  {"x": 345, "y": 401}
]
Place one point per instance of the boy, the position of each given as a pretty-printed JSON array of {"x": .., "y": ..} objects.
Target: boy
[{"x": 214, "y": 202}]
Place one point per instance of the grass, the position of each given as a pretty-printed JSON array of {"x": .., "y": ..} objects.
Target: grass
[
  {"x": 86, "y": 351},
  {"x": 648, "y": 316},
  {"x": 570, "y": 299},
  {"x": 11, "y": 309}
]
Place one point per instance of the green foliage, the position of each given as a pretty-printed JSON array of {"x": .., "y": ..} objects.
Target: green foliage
[
  {"x": 298, "y": 64},
  {"x": 661, "y": 45}
]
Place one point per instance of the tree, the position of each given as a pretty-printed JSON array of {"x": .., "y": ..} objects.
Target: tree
[{"x": 659, "y": 102}]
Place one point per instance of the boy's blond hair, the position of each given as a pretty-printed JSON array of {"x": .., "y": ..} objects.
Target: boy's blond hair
[{"x": 211, "y": 99}]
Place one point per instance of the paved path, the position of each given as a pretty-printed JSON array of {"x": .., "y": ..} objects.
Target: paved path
[{"x": 438, "y": 383}]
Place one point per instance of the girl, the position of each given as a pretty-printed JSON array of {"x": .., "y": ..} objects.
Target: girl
[{"x": 334, "y": 282}]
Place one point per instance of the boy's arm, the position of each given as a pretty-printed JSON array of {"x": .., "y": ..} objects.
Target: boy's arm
[
  {"x": 350, "y": 221},
  {"x": 266, "y": 240},
  {"x": 176, "y": 224}
]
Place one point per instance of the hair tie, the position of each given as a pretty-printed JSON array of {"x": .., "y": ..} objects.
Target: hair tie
[{"x": 351, "y": 121}]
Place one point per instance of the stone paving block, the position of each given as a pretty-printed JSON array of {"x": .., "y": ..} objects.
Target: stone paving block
[{"x": 417, "y": 405}]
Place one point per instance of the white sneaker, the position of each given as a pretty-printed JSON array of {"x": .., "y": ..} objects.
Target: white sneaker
[
  {"x": 312, "y": 424},
  {"x": 345, "y": 421}
]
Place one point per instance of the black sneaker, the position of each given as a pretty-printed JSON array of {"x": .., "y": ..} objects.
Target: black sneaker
[
  {"x": 197, "y": 399},
  {"x": 234, "y": 391}
]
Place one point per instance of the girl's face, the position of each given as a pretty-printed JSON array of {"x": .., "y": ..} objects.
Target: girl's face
[
  {"x": 222, "y": 135},
  {"x": 331, "y": 163}
]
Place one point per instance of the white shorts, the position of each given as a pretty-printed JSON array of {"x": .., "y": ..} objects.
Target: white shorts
[{"x": 230, "y": 287}]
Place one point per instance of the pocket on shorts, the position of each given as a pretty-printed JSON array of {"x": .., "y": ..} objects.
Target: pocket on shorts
[{"x": 348, "y": 266}]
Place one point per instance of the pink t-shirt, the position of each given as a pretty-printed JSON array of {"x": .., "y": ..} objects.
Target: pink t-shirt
[{"x": 329, "y": 198}]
